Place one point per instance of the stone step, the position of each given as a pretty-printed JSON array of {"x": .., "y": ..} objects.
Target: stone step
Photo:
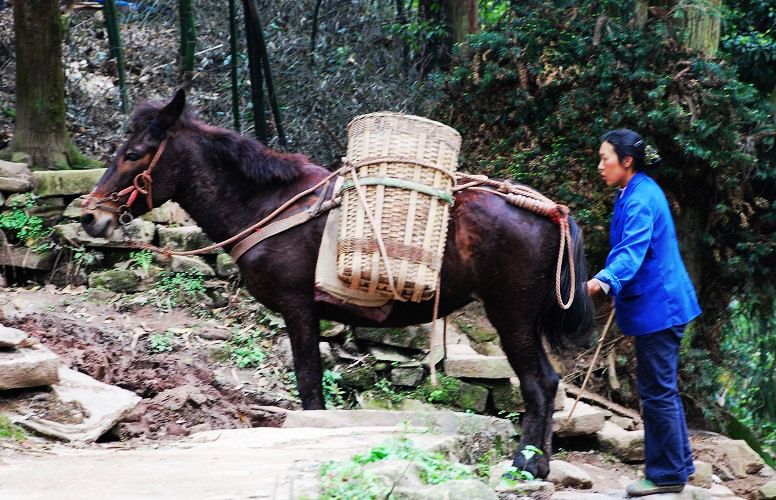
[
  {"x": 15, "y": 177},
  {"x": 28, "y": 367},
  {"x": 139, "y": 231},
  {"x": 11, "y": 338},
  {"x": 586, "y": 420},
  {"x": 65, "y": 182},
  {"x": 12, "y": 256},
  {"x": 464, "y": 362},
  {"x": 628, "y": 446}
]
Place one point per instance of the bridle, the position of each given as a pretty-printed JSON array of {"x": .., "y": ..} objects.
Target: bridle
[{"x": 141, "y": 184}]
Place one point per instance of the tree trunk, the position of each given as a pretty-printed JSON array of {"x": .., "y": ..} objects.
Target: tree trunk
[
  {"x": 462, "y": 17},
  {"x": 40, "y": 84},
  {"x": 703, "y": 27}
]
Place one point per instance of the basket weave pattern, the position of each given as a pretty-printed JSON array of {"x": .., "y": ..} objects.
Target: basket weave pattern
[{"x": 412, "y": 223}]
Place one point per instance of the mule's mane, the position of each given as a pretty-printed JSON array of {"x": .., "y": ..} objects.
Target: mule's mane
[{"x": 228, "y": 148}]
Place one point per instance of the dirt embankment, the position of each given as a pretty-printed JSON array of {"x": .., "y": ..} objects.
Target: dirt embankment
[{"x": 181, "y": 392}]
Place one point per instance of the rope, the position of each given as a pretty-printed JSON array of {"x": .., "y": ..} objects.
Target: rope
[
  {"x": 534, "y": 201},
  {"x": 245, "y": 232}
]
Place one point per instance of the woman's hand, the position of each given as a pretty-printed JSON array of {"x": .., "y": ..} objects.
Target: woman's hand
[{"x": 593, "y": 287}]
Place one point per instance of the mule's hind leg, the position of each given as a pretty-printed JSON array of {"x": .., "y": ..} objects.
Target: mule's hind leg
[
  {"x": 304, "y": 328},
  {"x": 538, "y": 383}
]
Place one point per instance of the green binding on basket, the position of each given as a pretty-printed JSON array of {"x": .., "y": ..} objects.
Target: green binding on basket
[{"x": 400, "y": 183}]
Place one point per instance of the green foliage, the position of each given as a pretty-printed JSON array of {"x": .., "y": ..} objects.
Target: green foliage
[
  {"x": 384, "y": 391},
  {"x": 9, "y": 430},
  {"x": 445, "y": 393},
  {"x": 142, "y": 260},
  {"x": 24, "y": 227},
  {"x": 180, "y": 288},
  {"x": 333, "y": 394},
  {"x": 161, "y": 342},
  {"x": 434, "y": 467},
  {"x": 749, "y": 39},
  {"x": 749, "y": 372},
  {"x": 244, "y": 348},
  {"x": 347, "y": 481}
]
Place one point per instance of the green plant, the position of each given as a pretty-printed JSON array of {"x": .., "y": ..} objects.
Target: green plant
[
  {"x": 333, "y": 394},
  {"x": 244, "y": 348},
  {"x": 24, "y": 227},
  {"x": 445, "y": 393},
  {"x": 142, "y": 260},
  {"x": 161, "y": 342},
  {"x": 176, "y": 288},
  {"x": 9, "y": 430},
  {"x": 385, "y": 391},
  {"x": 348, "y": 481}
]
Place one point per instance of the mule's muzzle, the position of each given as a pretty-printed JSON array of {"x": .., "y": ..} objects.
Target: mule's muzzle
[{"x": 97, "y": 223}]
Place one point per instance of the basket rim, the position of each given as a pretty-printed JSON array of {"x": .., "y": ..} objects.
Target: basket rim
[{"x": 407, "y": 116}]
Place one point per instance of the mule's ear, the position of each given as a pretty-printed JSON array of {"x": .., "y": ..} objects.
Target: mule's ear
[{"x": 168, "y": 115}]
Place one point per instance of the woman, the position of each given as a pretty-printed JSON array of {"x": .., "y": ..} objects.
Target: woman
[{"x": 654, "y": 301}]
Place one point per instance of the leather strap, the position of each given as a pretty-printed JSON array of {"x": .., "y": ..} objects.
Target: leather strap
[{"x": 278, "y": 227}]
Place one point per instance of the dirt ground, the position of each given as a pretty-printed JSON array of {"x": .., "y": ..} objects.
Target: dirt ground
[{"x": 183, "y": 391}]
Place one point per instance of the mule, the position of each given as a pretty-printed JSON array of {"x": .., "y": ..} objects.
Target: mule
[{"x": 498, "y": 254}]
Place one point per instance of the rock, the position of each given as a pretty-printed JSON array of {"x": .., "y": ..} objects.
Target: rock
[
  {"x": 719, "y": 491},
  {"x": 327, "y": 356},
  {"x": 184, "y": 238},
  {"x": 476, "y": 332},
  {"x": 472, "y": 397},
  {"x": 459, "y": 489},
  {"x": 742, "y": 459},
  {"x": 21, "y": 157},
  {"x": 560, "y": 397},
  {"x": 414, "y": 337},
  {"x": 176, "y": 397},
  {"x": 578, "y": 495},
  {"x": 283, "y": 350},
  {"x": 10, "y": 338},
  {"x": 489, "y": 349},
  {"x": 499, "y": 431},
  {"x": 624, "y": 423},
  {"x": 65, "y": 182},
  {"x": 138, "y": 231},
  {"x": 767, "y": 491},
  {"x": 702, "y": 476},
  {"x": 401, "y": 473},
  {"x": 535, "y": 490},
  {"x": 626, "y": 445},
  {"x": 115, "y": 280},
  {"x": 463, "y": 361},
  {"x": 73, "y": 210},
  {"x": 360, "y": 377},
  {"x": 28, "y": 367},
  {"x": 565, "y": 474},
  {"x": 103, "y": 405},
  {"x": 381, "y": 353},
  {"x": 507, "y": 396},
  {"x": 407, "y": 377},
  {"x": 182, "y": 264},
  {"x": 22, "y": 257},
  {"x": 585, "y": 420},
  {"x": 170, "y": 213},
  {"x": 15, "y": 177},
  {"x": 225, "y": 267}
]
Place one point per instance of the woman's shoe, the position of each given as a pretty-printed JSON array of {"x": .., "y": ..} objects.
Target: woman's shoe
[{"x": 644, "y": 487}]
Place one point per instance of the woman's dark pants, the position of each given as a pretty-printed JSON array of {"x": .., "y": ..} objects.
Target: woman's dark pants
[{"x": 668, "y": 457}]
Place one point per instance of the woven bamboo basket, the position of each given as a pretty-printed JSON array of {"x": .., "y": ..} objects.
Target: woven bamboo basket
[{"x": 405, "y": 168}]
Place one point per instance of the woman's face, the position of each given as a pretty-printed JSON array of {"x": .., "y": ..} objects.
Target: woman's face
[{"x": 613, "y": 172}]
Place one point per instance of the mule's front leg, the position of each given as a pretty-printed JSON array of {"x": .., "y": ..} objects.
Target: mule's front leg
[{"x": 304, "y": 329}]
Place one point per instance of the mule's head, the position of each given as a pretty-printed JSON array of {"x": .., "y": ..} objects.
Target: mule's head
[{"x": 113, "y": 200}]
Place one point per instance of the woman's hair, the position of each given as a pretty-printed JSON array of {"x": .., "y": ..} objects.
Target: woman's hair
[{"x": 626, "y": 142}]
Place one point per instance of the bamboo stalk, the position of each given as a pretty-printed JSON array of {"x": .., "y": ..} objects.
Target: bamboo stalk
[
  {"x": 257, "y": 79},
  {"x": 117, "y": 50},
  {"x": 188, "y": 39},
  {"x": 233, "y": 42}
]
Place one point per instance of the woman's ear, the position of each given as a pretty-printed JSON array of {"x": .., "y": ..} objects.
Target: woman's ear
[{"x": 627, "y": 162}]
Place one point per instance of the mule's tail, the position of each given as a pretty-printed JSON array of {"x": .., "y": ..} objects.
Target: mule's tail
[{"x": 573, "y": 325}]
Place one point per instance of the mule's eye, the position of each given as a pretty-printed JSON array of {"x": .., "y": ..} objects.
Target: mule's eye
[{"x": 131, "y": 156}]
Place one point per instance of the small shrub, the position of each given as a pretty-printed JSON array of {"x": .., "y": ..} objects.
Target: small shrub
[
  {"x": 142, "y": 260},
  {"x": 161, "y": 342},
  {"x": 177, "y": 288},
  {"x": 9, "y": 430}
]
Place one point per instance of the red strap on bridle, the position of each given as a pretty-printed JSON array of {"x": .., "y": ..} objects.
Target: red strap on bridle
[{"x": 143, "y": 181}]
